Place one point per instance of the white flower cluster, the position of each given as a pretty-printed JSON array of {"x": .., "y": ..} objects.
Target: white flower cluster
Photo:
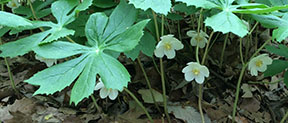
[
  {"x": 259, "y": 63},
  {"x": 198, "y": 39},
  {"x": 167, "y": 46},
  {"x": 104, "y": 92}
]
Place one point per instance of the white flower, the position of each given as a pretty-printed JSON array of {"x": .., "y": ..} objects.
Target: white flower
[
  {"x": 167, "y": 46},
  {"x": 104, "y": 92},
  {"x": 195, "y": 71},
  {"x": 259, "y": 63},
  {"x": 198, "y": 39},
  {"x": 13, "y": 4},
  {"x": 48, "y": 62},
  {"x": 1, "y": 27}
]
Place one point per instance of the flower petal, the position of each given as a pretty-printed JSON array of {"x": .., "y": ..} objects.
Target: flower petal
[
  {"x": 159, "y": 52},
  {"x": 186, "y": 69},
  {"x": 189, "y": 76},
  {"x": 99, "y": 85},
  {"x": 262, "y": 68},
  {"x": 253, "y": 71},
  {"x": 104, "y": 92},
  {"x": 177, "y": 45},
  {"x": 201, "y": 44},
  {"x": 169, "y": 53},
  {"x": 199, "y": 79},
  {"x": 193, "y": 42},
  {"x": 113, "y": 94},
  {"x": 191, "y": 33},
  {"x": 204, "y": 70}
]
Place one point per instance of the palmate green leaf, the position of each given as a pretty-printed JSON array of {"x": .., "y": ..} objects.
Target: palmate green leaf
[
  {"x": 94, "y": 35},
  {"x": 57, "y": 33},
  {"x": 93, "y": 60},
  {"x": 12, "y": 20},
  {"x": 84, "y": 86},
  {"x": 58, "y": 77},
  {"x": 227, "y": 22},
  {"x": 60, "y": 49},
  {"x": 159, "y": 6},
  {"x": 281, "y": 33},
  {"x": 260, "y": 10},
  {"x": 113, "y": 74},
  {"x": 276, "y": 67},
  {"x": 129, "y": 39},
  {"x": 207, "y": 4},
  {"x": 40, "y": 9},
  {"x": 121, "y": 18},
  {"x": 282, "y": 50},
  {"x": 269, "y": 21},
  {"x": 21, "y": 46},
  {"x": 146, "y": 45}
]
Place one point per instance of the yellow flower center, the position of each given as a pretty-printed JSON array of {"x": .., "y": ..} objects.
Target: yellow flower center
[
  {"x": 259, "y": 63},
  {"x": 167, "y": 46},
  {"x": 195, "y": 71},
  {"x": 198, "y": 38},
  {"x": 14, "y": 4}
]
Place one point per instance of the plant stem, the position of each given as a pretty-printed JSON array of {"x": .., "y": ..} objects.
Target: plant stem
[
  {"x": 253, "y": 28},
  {"x": 155, "y": 65},
  {"x": 95, "y": 103},
  {"x": 274, "y": 82},
  {"x": 284, "y": 118},
  {"x": 140, "y": 104},
  {"x": 156, "y": 26},
  {"x": 237, "y": 91},
  {"x": 223, "y": 50},
  {"x": 207, "y": 48},
  {"x": 179, "y": 30},
  {"x": 241, "y": 52},
  {"x": 13, "y": 85},
  {"x": 240, "y": 79},
  {"x": 161, "y": 65},
  {"x": 200, "y": 93},
  {"x": 148, "y": 83}
]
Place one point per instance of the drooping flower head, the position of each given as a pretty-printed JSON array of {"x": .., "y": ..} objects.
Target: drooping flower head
[
  {"x": 198, "y": 39},
  {"x": 167, "y": 46},
  {"x": 259, "y": 63},
  {"x": 48, "y": 62},
  {"x": 104, "y": 92},
  {"x": 13, "y": 4},
  {"x": 194, "y": 70}
]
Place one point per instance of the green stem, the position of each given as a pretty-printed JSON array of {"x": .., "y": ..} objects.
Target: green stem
[
  {"x": 240, "y": 79},
  {"x": 199, "y": 21},
  {"x": 95, "y": 103},
  {"x": 200, "y": 103},
  {"x": 140, "y": 104},
  {"x": 241, "y": 52},
  {"x": 207, "y": 48},
  {"x": 196, "y": 54},
  {"x": 163, "y": 76},
  {"x": 179, "y": 31},
  {"x": 13, "y": 85},
  {"x": 156, "y": 26},
  {"x": 2, "y": 7},
  {"x": 223, "y": 50},
  {"x": 213, "y": 42},
  {"x": 284, "y": 118},
  {"x": 253, "y": 28},
  {"x": 161, "y": 65},
  {"x": 148, "y": 83},
  {"x": 155, "y": 65},
  {"x": 274, "y": 82}
]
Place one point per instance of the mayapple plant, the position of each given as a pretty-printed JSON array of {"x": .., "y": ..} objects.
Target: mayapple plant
[{"x": 115, "y": 33}]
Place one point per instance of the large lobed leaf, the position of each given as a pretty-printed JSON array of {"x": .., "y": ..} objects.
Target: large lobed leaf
[
  {"x": 58, "y": 77},
  {"x": 159, "y": 6},
  {"x": 12, "y": 20}
]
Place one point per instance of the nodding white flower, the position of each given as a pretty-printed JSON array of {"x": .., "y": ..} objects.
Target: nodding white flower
[
  {"x": 13, "y": 4},
  {"x": 199, "y": 39},
  {"x": 104, "y": 92},
  {"x": 194, "y": 70},
  {"x": 48, "y": 62},
  {"x": 167, "y": 46},
  {"x": 259, "y": 63}
]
